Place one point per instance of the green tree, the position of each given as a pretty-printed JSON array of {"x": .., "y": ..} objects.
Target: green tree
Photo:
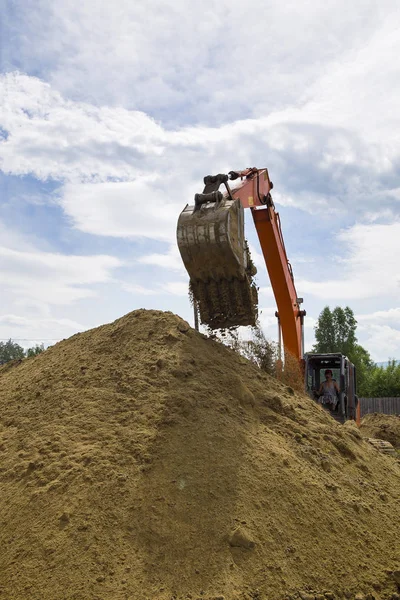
[
  {"x": 10, "y": 350},
  {"x": 35, "y": 350},
  {"x": 346, "y": 329},
  {"x": 335, "y": 331},
  {"x": 364, "y": 365},
  {"x": 325, "y": 332},
  {"x": 384, "y": 382}
]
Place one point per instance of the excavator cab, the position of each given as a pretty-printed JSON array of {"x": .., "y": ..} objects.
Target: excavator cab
[
  {"x": 344, "y": 372},
  {"x": 212, "y": 244}
]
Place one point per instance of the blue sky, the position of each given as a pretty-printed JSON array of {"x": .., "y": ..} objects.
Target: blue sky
[{"x": 110, "y": 116}]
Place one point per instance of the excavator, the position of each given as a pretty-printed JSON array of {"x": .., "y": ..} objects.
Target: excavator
[{"x": 212, "y": 244}]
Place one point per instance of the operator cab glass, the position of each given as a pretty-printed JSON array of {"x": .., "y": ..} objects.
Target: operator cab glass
[{"x": 343, "y": 372}]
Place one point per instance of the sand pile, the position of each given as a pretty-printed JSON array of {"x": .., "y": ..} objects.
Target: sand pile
[
  {"x": 141, "y": 460},
  {"x": 384, "y": 427}
]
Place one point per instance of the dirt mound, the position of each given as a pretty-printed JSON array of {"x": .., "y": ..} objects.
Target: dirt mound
[
  {"x": 142, "y": 460},
  {"x": 384, "y": 427}
]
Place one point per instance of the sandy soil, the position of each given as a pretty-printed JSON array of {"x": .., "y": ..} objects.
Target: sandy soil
[
  {"x": 384, "y": 427},
  {"x": 142, "y": 460}
]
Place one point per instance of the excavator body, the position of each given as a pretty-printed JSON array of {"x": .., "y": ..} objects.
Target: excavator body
[
  {"x": 212, "y": 244},
  {"x": 214, "y": 251}
]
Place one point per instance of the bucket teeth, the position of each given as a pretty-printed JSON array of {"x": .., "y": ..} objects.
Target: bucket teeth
[
  {"x": 214, "y": 251},
  {"x": 226, "y": 303}
]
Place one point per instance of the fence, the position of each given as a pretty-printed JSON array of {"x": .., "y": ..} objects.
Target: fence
[{"x": 387, "y": 406}]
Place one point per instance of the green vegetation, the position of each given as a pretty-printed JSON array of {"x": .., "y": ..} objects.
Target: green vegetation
[
  {"x": 384, "y": 382},
  {"x": 257, "y": 349},
  {"x": 260, "y": 350},
  {"x": 11, "y": 350},
  {"x": 35, "y": 350}
]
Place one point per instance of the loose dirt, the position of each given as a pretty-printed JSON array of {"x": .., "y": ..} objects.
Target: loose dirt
[
  {"x": 384, "y": 427},
  {"x": 142, "y": 460}
]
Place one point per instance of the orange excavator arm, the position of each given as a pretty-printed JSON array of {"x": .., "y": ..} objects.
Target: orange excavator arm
[
  {"x": 254, "y": 193},
  {"x": 211, "y": 240}
]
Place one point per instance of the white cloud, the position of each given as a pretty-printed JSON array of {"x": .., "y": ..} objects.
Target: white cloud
[
  {"x": 177, "y": 288},
  {"x": 368, "y": 74},
  {"x": 126, "y": 209},
  {"x": 268, "y": 320},
  {"x": 170, "y": 260},
  {"x": 53, "y": 278},
  {"x": 141, "y": 290},
  {"x": 370, "y": 268},
  {"x": 388, "y": 317},
  {"x": 382, "y": 341},
  {"x": 98, "y": 51},
  {"x": 309, "y": 332},
  {"x": 16, "y": 320},
  {"x": 11, "y": 238},
  {"x": 53, "y": 137},
  {"x": 379, "y": 332},
  {"x": 37, "y": 330},
  {"x": 257, "y": 257},
  {"x": 78, "y": 143},
  {"x": 265, "y": 293}
]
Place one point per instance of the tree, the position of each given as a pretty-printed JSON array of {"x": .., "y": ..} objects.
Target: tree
[
  {"x": 10, "y": 350},
  {"x": 384, "y": 382},
  {"x": 364, "y": 365},
  {"x": 335, "y": 331},
  {"x": 325, "y": 332},
  {"x": 346, "y": 329},
  {"x": 35, "y": 350}
]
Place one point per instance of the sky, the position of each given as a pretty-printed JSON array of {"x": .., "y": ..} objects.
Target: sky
[{"x": 111, "y": 114}]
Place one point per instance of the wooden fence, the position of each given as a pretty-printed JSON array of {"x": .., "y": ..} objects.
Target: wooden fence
[{"x": 387, "y": 406}]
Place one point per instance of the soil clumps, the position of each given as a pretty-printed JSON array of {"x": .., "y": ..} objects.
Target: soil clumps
[{"x": 143, "y": 460}]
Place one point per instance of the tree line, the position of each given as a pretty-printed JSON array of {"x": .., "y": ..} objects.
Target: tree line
[
  {"x": 335, "y": 331},
  {"x": 11, "y": 350}
]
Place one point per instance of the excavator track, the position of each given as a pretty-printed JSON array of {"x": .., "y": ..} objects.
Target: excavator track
[
  {"x": 383, "y": 446},
  {"x": 214, "y": 251}
]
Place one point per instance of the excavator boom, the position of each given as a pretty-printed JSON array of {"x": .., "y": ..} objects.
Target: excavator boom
[{"x": 290, "y": 316}]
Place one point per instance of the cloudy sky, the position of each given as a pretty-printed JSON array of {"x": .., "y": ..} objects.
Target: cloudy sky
[{"x": 112, "y": 113}]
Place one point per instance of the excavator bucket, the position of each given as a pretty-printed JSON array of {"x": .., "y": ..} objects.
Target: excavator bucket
[{"x": 211, "y": 241}]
